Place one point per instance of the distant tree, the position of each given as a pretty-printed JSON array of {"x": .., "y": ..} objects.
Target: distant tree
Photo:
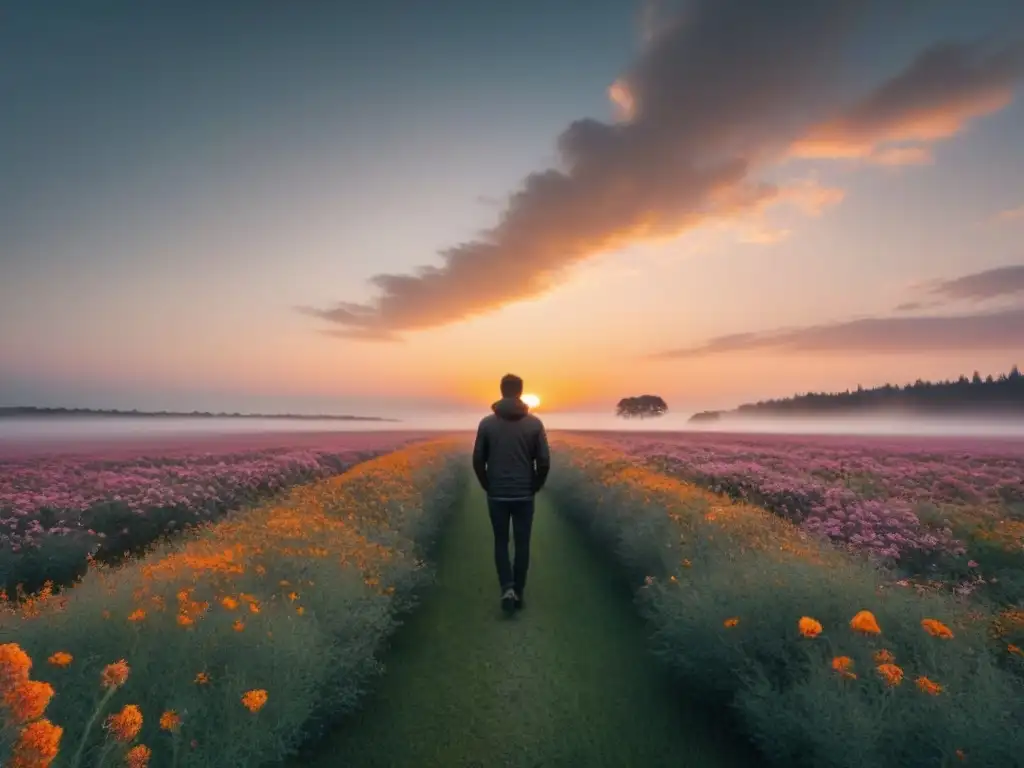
[{"x": 641, "y": 407}]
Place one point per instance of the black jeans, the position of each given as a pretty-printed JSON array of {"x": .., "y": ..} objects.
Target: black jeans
[{"x": 520, "y": 515}]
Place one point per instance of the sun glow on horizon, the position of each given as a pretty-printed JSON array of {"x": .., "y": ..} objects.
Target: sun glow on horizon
[{"x": 531, "y": 400}]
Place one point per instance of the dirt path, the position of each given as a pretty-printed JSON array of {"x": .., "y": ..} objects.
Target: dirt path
[{"x": 566, "y": 682}]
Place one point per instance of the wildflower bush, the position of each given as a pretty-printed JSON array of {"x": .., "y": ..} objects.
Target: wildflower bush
[
  {"x": 822, "y": 661},
  {"x": 238, "y": 644},
  {"x": 952, "y": 508},
  {"x": 57, "y": 511}
]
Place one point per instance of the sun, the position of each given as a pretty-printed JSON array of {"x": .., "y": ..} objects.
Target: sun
[{"x": 531, "y": 400}]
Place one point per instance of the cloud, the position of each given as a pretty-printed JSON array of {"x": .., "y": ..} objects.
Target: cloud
[
  {"x": 1011, "y": 214},
  {"x": 981, "y": 286},
  {"x": 710, "y": 94},
  {"x": 765, "y": 235},
  {"x": 881, "y": 335},
  {"x": 718, "y": 93},
  {"x": 941, "y": 90}
]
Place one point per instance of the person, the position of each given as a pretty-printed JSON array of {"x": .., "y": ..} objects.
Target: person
[{"x": 511, "y": 460}]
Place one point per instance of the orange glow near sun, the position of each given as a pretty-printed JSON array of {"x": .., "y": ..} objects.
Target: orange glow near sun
[{"x": 531, "y": 400}]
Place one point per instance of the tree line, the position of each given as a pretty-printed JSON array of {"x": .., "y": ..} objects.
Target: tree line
[{"x": 975, "y": 395}]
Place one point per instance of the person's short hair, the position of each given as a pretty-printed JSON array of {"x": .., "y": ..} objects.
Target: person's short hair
[{"x": 511, "y": 385}]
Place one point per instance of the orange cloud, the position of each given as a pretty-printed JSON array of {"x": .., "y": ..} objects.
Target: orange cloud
[
  {"x": 705, "y": 107},
  {"x": 1011, "y": 214},
  {"x": 939, "y": 93}
]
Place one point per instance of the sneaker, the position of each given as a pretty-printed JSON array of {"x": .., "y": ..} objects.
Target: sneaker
[
  {"x": 508, "y": 601},
  {"x": 520, "y": 603}
]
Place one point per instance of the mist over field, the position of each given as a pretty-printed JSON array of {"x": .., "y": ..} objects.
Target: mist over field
[{"x": 24, "y": 432}]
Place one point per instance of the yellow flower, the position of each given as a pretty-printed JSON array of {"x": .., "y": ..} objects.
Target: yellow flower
[
  {"x": 254, "y": 700},
  {"x": 936, "y": 628},
  {"x": 843, "y": 665},
  {"x": 809, "y": 627},
  {"x": 126, "y": 724},
  {"x": 731, "y": 622},
  {"x": 865, "y": 622},
  {"x": 28, "y": 700},
  {"x": 170, "y": 721},
  {"x": 115, "y": 675},
  {"x": 929, "y": 686},
  {"x": 892, "y": 674},
  {"x": 230, "y": 603},
  {"x": 137, "y": 615},
  {"x": 15, "y": 665},
  {"x": 884, "y": 657},
  {"x": 37, "y": 745},
  {"x": 202, "y": 678},
  {"x": 138, "y": 756}
]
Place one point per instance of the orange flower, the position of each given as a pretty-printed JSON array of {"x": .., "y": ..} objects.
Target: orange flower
[
  {"x": 893, "y": 675},
  {"x": 809, "y": 627},
  {"x": 843, "y": 665},
  {"x": 37, "y": 745},
  {"x": 15, "y": 665},
  {"x": 137, "y": 615},
  {"x": 865, "y": 622},
  {"x": 138, "y": 756},
  {"x": 185, "y": 620},
  {"x": 28, "y": 700},
  {"x": 1014, "y": 649},
  {"x": 884, "y": 657},
  {"x": 254, "y": 607},
  {"x": 61, "y": 659},
  {"x": 202, "y": 678},
  {"x": 230, "y": 603},
  {"x": 960, "y": 754},
  {"x": 126, "y": 724},
  {"x": 115, "y": 675},
  {"x": 928, "y": 686},
  {"x": 170, "y": 721},
  {"x": 238, "y": 626},
  {"x": 300, "y": 610},
  {"x": 936, "y": 628},
  {"x": 731, "y": 622},
  {"x": 254, "y": 700}
]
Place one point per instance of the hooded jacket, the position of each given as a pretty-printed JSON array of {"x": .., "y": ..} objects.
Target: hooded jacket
[{"x": 510, "y": 457}]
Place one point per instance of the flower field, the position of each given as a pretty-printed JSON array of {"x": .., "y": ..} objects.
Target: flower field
[
  {"x": 822, "y": 659},
  {"x": 239, "y": 642},
  {"x": 950, "y": 510},
  {"x": 57, "y": 510}
]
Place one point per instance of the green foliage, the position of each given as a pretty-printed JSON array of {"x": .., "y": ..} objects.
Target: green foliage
[{"x": 706, "y": 560}]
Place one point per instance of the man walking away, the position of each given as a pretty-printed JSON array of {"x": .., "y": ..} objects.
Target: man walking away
[{"x": 511, "y": 461}]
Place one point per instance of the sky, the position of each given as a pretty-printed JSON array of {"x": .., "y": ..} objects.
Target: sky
[{"x": 381, "y": 208}]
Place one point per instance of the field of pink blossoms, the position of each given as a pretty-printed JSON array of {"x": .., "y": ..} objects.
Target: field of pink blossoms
[
  {"x": 106, "y": 499},
  {"x": 935, "y": 508}
]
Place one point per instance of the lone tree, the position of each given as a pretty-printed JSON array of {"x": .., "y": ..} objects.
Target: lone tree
[{"x": 641, "y": 407}]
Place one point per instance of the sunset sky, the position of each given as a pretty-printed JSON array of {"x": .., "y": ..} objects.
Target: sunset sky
[{"x": 384, "y": 206}]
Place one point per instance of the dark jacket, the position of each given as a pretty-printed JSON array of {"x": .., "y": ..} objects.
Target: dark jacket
[{"x": 511, "y": 457}]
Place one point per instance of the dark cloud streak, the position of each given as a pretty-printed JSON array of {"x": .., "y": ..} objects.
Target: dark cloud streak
[{"x": 883, "y": 335}]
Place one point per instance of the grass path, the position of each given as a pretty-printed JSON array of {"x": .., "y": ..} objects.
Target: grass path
[{"x": 566, "y": 682}]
